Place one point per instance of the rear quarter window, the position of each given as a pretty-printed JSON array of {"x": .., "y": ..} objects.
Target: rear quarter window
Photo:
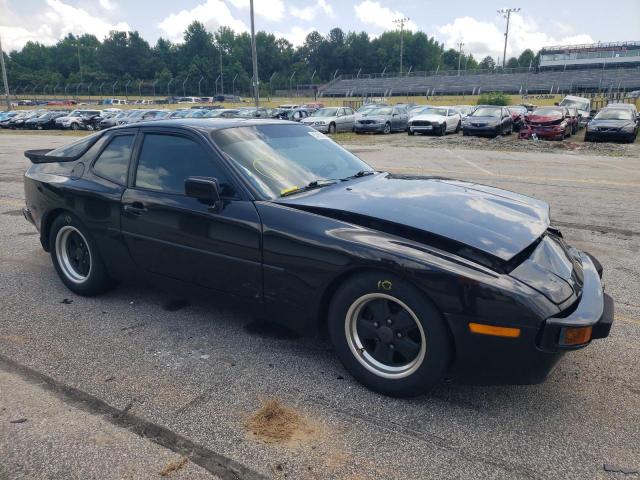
[
  {"x": 75, "y": 149},
  {"x": 113, "y": 162}
]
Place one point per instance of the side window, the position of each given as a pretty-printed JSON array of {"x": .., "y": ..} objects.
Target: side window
[
  {"x": 113, "y": 162},
  {"x": 167, "y": 160}
]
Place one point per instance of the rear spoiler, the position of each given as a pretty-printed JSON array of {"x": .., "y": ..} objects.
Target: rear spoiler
[{"x": 40, "y": 156}]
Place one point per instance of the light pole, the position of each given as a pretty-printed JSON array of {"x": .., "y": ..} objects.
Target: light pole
[
  {"x": 221, "y": 77},
  {"x": 254, "y": 57},
  {"x": 113, "y": 89},
  {"x": 100, "y": 89},
  {"x": 184, "y": 92},
  {"x": 291, "y": 85},
  {"x": 126, "y": 89},
  {"x": 169, "y": 85},
  {"x": 460, "y": 44},
  {"x": 79, "y": 63},
  {"x": 506, "y": 13},
  {"x": 4, "y": 79},
  {"x": 401, "y": 22},
  {"x": 270, "y": 87},
  {"x": 89, "y": 90}
]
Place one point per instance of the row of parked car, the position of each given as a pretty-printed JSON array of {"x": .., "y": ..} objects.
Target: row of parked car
[{"x": 615, "y": 122}]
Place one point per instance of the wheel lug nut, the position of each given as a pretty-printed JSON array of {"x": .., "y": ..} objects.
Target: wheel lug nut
[
  {"x": 389, "y": 322},
  {"x": 376, "y": 324},
  {"x": 392, "y": 346},
  {"x": 399, "y": 335}
]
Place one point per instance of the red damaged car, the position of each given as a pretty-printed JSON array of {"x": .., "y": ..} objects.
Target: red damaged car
[
  {"x": 548, "y": 122},
  {"x": 518, "y": 114}
]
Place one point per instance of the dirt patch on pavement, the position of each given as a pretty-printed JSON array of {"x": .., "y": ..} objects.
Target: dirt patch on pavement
[
  {"x": 171, "y": 467},
  {"x": 276, "y": 422}
]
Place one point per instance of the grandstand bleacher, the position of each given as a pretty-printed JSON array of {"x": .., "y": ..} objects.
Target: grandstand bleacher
[{"x": 600, "y": 80}]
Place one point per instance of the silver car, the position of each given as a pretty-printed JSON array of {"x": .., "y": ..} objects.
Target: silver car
[
  {"x": 383, "y": 120},
  {"x": 331, "y": 119}
]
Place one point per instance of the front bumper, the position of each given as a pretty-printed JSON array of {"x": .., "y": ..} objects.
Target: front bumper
[
  {"x": 529, "y": 358},
  {"x": 609, "y": 135},
  {"x": 320, "y": 128},
  {"x": 368, "y": 127},
  {"x": 471, "y": 130},
  {"x": 542, "y": 132},
  {"x": 595, "y": 310}
]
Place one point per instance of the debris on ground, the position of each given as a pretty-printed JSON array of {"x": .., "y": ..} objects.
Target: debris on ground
[
  {"x": 19, "y": 420},
  {"x": 66, "y": 301},
  {"x": 173, "y": 466},
  {"x": 275, "y": 422}
]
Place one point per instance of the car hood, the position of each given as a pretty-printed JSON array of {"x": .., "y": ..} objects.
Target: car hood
[
  {"x": 544, "y": 118},
  {"x": 489, "y": 220},
  {"x": 317, "y": 119},
  {"x": 478, "y": 119},
  {"x": 379, "y": 118},
  {"x": 429, "y": 117}
]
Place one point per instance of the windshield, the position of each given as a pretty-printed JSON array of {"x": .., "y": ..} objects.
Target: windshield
[
  {"x": 366, "y": 108},
  {"x": 547, "y": 111},
  {"x": 487, "y": 112},
  {"x": 325, "y": 112},
  {"x": 614, "y": 114},
  {"x": 581, "y": 104},
  {"x": 279, "y": 158},
  {"x": 434, "y": 111},
  {"x": 380, "y": 111}
]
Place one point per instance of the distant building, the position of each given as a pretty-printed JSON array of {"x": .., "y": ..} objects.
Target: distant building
[{"x": 596, "y": 55}]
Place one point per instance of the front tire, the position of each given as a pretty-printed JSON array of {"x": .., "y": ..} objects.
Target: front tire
[
  {"x": 332, "y": 128},
  {"x": 75, "y": 126},
  {"x": 387, "y": 128},
  {"x": 388, "y": 335},
  {"x": 76, "y": 258}
]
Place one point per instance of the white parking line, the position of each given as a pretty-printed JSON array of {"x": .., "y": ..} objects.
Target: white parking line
[{"x": 469, "y": 162}]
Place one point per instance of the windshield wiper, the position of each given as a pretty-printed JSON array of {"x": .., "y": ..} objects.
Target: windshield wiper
[
  {"x": 309, "y": 186},
  {"x": 359, "y": 174}
]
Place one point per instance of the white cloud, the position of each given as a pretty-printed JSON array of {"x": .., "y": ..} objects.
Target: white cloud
[
  {"x": 212, "y": 13},
  {"x": 272, "y": 10},
  {"x": 309, "y": 12},
  {"x": 107, "y": 4},
  {"x": 50, "y": 24},
  {"x": 372, "y": 13},
  {"x": 296, "y": 35},
  {"x": 487, "y": 38}
]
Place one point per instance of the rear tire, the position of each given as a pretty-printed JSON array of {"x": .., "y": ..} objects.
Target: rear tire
[
  {"x": 388, "y": 335},
  {"x": 76, "y": 257},
  {"x": 75, "y": 126},
  {"x": 332, "y": 128},
  {"x": 410, "y": 132}
]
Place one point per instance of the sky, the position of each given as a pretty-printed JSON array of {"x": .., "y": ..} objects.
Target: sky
[{"x": 476, "y": 23}]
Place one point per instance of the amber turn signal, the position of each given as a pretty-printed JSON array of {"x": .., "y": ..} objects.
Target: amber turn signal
[
  {"x": 577, "y": 336},
  {"x": 483, "y": 329}
]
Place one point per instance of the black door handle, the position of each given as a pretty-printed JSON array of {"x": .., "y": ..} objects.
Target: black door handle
[{"x": 135, "y": 208}]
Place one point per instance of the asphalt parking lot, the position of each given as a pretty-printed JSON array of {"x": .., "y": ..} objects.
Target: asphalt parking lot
[{"x": 128, "y": 384}]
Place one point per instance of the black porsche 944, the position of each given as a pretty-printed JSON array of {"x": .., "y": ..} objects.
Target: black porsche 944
[{"x": 415, "y": 278}]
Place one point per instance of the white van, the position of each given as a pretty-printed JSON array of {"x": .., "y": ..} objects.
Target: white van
[{"x": 582, "y": 104}]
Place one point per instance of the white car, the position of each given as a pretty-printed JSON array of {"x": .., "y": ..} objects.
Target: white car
[
  {"x": 74, "y": 120},
  {"x": 331, "y": 119},
  {"x": 439, "y": 120}
]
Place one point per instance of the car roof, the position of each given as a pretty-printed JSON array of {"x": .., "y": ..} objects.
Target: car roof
[{"x": 212, "y": 124}]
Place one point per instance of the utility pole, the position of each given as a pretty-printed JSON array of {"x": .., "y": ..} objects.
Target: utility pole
[
  {"x": 254, "y": 56},
  {"x": 460, "y": 45},
  {"x": 4, "y": 79},
  {"x": 79, "y": 63},
  {"x": 506, "y": 13},
  {"x": 401, "y": 22}
]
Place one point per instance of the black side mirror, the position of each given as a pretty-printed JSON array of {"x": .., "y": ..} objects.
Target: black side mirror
[{"x": 205, "y": 189}]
